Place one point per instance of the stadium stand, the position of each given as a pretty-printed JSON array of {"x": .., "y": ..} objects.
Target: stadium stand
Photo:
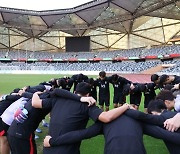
[
  {"x": 49, "y": 61},
  {"x": 162, "y": 50},
  {"x": 123, "y": 67}
]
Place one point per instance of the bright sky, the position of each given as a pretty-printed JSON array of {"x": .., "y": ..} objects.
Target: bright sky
[{"x": 40, "y": 5}]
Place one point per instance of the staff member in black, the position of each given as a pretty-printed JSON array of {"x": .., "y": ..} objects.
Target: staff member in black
[{"x": 72, "y": 116}]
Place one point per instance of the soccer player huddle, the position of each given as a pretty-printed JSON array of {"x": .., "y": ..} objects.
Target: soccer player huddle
[{"x": 123, "y": 127}]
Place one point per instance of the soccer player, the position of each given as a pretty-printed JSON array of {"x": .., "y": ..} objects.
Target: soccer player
[
  {"x": 104, "y": 93},
  {"x": 8, "y": 113},
  {"x": 158, "y": 115},
  {"x": 173, "y": 124},
  {"x": 65, "y": 83},
  {"x": 169, "y": 79},
  {"x": 93, "y": 86},
  {"x": 169, "y": 99},
  {"x": 135, "y": 92},
  {"x": 21, "y": 131},
  {"x": 78, "y": 78},
  {"x": 118, "y": 82},
  {"x": 155, "y": 78},
  {"x": 124, "y": 135},
  {"x": 149, "y": 94},
  {"x": 5, "y": 102},
  {"x": 67, "y": 115}
]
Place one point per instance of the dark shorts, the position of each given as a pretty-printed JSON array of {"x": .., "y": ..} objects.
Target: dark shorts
[
  {"x": 136, "y": 100},
  {"x": 147, "y": 99},
  {"x": 104, "y": 100},
  {"x": 119, "y": 99},
  {"x": 146, "y": 102},
  {"x": 3, "y": 128},
  {"x": 22, "y": 146}
]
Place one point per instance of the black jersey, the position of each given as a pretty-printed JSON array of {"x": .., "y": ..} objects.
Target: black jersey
[
  {"x": 78, "y": 78},
  {"x": 65, "y": 83},
  {"x": 119, "y": 84},
  {"x": 103, "y": 87},
  {"x": 4, "y": 104},
  {"x": 123, "y": 135},
  {"x": 93, "y": 92},
  {"x": 149, "y": 93},
  {"x": 176, "y": 80},
  {"x": 136, "y": 94},
  {"x": 35, "y": 116}
]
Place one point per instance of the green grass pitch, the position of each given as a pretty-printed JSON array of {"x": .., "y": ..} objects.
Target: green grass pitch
[{"x": 94, "y": 145}]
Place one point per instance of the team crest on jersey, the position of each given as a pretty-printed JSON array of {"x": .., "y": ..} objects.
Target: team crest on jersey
[
  {"x": 116, "y": 85},
  {"x": 103, "y": 86}
]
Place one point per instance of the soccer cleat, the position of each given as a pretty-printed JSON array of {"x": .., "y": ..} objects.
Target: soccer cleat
[
  {"x": 45, "y": 124},
  {"x": 36, "y": 137},
  {"x": 38, "y": 130}
]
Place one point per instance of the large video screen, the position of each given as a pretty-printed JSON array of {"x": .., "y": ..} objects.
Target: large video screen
[{"x": 78, "y": 44}]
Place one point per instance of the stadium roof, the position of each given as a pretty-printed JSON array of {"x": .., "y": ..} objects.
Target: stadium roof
[
  {"x": 40, "y": 5},
  {"x": 112, "y": 24}
]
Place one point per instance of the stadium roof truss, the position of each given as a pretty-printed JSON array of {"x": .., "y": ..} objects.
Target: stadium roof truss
[{"x": 112, "y": 25}]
